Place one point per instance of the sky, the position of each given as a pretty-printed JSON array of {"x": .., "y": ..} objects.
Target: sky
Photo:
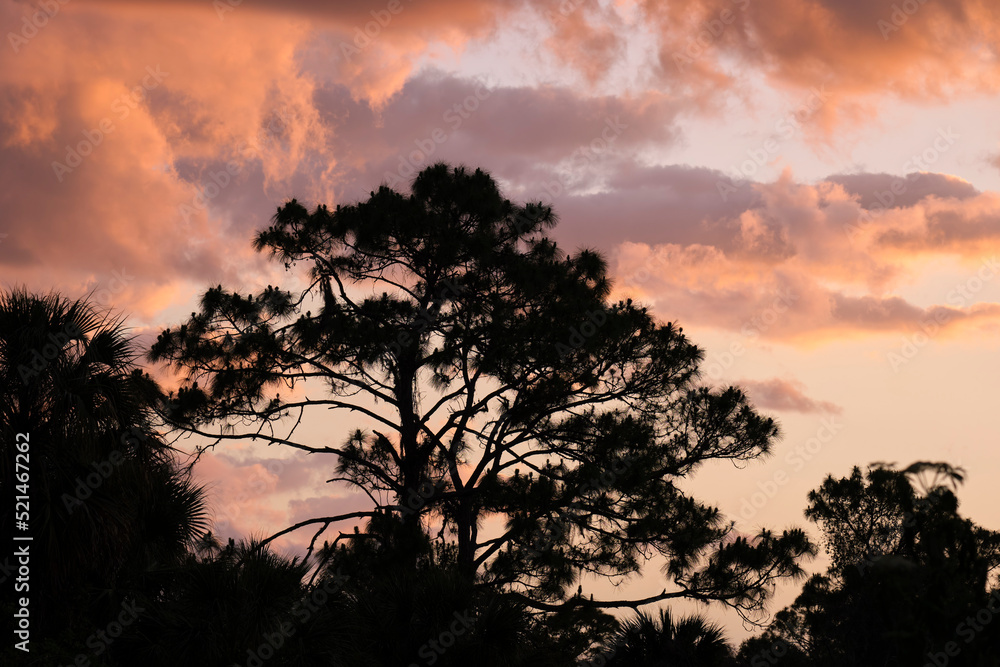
[{"x": 811, "y": 188}]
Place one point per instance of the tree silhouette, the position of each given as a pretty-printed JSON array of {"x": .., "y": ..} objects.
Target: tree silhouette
[
  {"x": 222, "y": 606},
  {"x": 396, "y": 614},
  {"x": 907, "y": 572},
  {"x": 647, "y": 642},
  {"x": 493, "y": 381},
  {"x": 109, "y": 507}
]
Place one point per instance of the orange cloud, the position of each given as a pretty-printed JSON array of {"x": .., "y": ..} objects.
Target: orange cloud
[
  {"x": 158, "y": 158},
  {"x": 913, "y": 50},
  {"x": 108, "y": 144}
]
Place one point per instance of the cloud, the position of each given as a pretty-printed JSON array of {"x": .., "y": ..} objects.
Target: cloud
[
  {"x": 108, "y": 145},
  {"x": 861, "y": 51},
  {"x": 527, "y": 137},
  {"x": 879, "y": 190},
  {"x": 372, "y": 48},
  {"x": 993, "y": 159},
  {"x": 585, "y": 36},
  {"x": 259, "y": 496},
  {"x": 243, "y": 498},
  {"x": 969, "y": 228},
  {"x": 785, "y": 395},
  {"x": 318, "y": 507},
  {"x": 263, "y": 103},
  {"x": 168, "y": 183},
  {"x": 808, "y": 258}
]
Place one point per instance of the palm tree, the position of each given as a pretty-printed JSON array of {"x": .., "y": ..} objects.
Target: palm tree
[
  {"x": 663, "y": 642},
  {"x": 109, "y": 502},
  {"x": 221, "y": 606}
]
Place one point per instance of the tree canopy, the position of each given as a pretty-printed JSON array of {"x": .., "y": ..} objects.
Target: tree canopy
[
  {"x": 908, "y": 576},
  {"x": 109, "y": 507},
  {"x": 514, "y": 430},
  {"x": 540, "y": 430}
]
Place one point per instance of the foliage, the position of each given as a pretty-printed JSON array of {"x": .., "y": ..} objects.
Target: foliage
[
  {"x": 645, "y": 641},
  {"x": 907, "y": 573},
  {"x": 109, "y": 505},
  {"x": 472, "y": 349}
]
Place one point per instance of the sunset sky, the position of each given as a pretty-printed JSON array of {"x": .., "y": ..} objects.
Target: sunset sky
[{"x": 811, "y": 188}]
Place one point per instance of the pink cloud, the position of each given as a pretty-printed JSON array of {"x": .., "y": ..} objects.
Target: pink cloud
[
  {"x": 253, "y": 496},
  {"x": 785, "y": 395},
  {"x": 808, "y": 256}
]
